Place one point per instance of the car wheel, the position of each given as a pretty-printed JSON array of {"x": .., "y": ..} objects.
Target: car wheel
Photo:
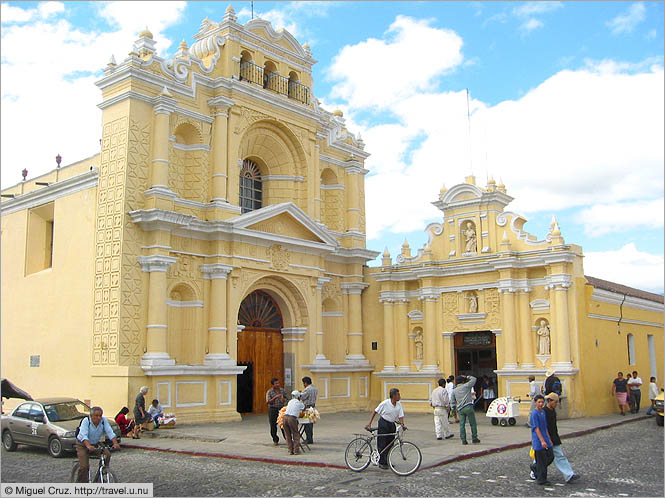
[
  {"x": 511, "y": 421},
  {"x": 503, "y": 422},
  {"x": 55, "y": 447},
  {"x": 495, "y": 421},
  {"x": 8, "y": 441},
  {"x": 659, "y": 421}
]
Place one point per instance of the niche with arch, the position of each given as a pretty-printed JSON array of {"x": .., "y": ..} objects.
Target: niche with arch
[
  {"x": 468, "y": 237},
  {"x": 332, "y": 200},
  {"x": 188, "y": 163},
  {"x": 185, "y": 342}
]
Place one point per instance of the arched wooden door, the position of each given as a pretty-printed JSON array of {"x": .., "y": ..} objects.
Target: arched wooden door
[{"x": 260, "y": 348}]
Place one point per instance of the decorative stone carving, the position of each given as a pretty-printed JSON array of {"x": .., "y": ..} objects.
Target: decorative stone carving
[
  {"x": 247, "y": 117},
  {"x": 473, "y": 302},
  {"x": 543, "y": 338},
  {"x": 279, "y": 257},
  {"x": 418, "y": 341},
  {"x": 469, "y": 234}
]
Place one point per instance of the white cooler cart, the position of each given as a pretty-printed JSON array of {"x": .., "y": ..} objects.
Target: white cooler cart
[{"x": 504, "y": 410}]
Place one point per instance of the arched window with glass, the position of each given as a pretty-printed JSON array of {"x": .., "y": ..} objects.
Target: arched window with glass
[{"x": 251, "y": 187}]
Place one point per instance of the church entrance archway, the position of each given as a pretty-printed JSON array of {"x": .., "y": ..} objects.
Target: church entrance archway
[
  {"x": 475, "y": 354},
  {"x": 260, "y": 349}
]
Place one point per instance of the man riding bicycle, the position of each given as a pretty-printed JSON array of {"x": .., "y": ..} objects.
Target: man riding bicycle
[{"x": 90, "y": 432}]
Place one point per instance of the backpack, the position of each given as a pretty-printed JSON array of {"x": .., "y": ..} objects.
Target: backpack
[
  {"x": 556, "y": 387},
  {"x": 78, "y": 429}
]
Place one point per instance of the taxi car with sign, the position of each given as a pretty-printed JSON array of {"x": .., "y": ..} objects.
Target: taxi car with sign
[{"x": 48, "y": 423}]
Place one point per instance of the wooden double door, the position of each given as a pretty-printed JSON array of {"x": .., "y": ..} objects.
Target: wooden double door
[{"x": 260, "y": 349}]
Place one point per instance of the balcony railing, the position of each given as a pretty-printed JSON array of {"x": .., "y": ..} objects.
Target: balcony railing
[{"x": 274, "y": 82}]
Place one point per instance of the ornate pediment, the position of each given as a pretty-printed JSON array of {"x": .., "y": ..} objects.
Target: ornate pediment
[
  {"x": 285, "y": 220},
  {"x": 284, "y": 224}
]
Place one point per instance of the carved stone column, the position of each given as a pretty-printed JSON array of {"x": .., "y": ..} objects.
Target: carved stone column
[
  {"x": 402, "y": 333},
  {"x": 388, "y": 336},
  {"x": 156, "y": 329},
  {"x": 353, "y": 198},
  {"x": 217, "y": 354},
  {"x": 320, "y": 358},
  {"x": 560, "y": 335},
  {"x": 526, "y": 351},
  {"x": 429, "y": 339},
  {"x": 219, "y": 106},
  {"x": 355, "y": 333},
  {"x": 159, "y": 172},
  {"x": 509, "y": 329},
  {"x": 448, "y": 365}
]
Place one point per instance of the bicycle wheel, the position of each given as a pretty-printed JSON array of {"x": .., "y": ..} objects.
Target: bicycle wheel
[
  {"x": 357, "y": 454},
  {"x": 74, "y": 474},
  {"x": 108, "y": 476},
  {"x": 405, "y": 458}
]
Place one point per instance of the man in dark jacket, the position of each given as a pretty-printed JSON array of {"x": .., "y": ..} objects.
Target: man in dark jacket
[{"x": 560, "y": 460}]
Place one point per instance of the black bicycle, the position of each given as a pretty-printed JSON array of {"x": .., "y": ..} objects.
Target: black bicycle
[
  {"x": 104, "y": 474},
  {"x": 404, "y": 457}
]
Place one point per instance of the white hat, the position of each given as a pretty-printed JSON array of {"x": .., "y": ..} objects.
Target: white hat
[
  {"x": 550, "y": 372},
  {"x": 295, "y": 394}
]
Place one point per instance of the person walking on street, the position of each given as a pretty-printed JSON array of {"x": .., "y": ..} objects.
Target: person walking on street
[
  {"x": 534, "y": 390},
  {"x": 653, "y": 392},
  {"x": 390, "y": 411},
  {"x": 275, "y": 398},
  {"x": 635, "y": 388},
  {"x": 462, "y": 399},
  {"x": 450, "y": 385},
  {"x": 552, "y": 383},
  {"x": 560, "y": 460},
  {"x": 293, "y": 409},
  {"x": 308, "y": 397},
  {"x": 620, "y": 390},
  {"x": 540, "y": 441},
  {"x": 440, "y": 401}
]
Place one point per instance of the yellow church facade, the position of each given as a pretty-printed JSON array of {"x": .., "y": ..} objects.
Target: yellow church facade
[{"x": 218, "y": 240}]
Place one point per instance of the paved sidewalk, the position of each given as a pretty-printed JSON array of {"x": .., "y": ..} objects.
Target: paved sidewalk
[{"x": 250, "y": 438}]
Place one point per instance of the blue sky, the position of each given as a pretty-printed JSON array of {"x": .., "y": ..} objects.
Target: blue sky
[{"x": 566, "y": 103}]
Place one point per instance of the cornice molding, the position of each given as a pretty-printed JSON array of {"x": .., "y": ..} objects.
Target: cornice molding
[
  {"x": 155, "y": 263},
  {"x": 216, "y": 271},
  {"x": 605, "y": 296},
  {"x": 48, "y": 194}
]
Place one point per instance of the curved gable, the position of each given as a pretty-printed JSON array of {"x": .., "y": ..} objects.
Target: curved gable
[{"x": 282, "y": 37}]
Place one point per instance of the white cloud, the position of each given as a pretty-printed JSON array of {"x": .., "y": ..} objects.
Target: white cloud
[
  {"x": 534, "y": 8},
  {"x": 366, "y": 72},
  {"x": 626, "y": 22},
  {"x": 622, "y": 216},
  {"x": 34, "y": 70},
  {"x": 628, "y": 266},
  {"x": 10, "y": 14},
  {"x": 531, "y": 24},
  {"x": 289, "y": 16},
  {"x": 579, "y": 139}
]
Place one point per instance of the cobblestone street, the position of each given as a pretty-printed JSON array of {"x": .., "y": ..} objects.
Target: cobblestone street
[{"x": 637, "y": 470}]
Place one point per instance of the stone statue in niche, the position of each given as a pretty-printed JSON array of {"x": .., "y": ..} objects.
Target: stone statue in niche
[
  {"x": 543, "y": 338},
  {"x": 470, "y": 237},
  {"x": 473, "y": 303},
  {"x": 418, "y": 340}
]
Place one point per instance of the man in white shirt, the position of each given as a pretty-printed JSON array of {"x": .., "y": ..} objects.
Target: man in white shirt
[
  {"x": 390, "y": 411},
  {"x": 635, "y": 393},
  {"x": 450, "y": 385},
  {"x": 293, "y": 409},
  {"x": 440, "y": 401},
  {"x": 533, "y": 391},
  {"x": 653, "y": 394}
]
